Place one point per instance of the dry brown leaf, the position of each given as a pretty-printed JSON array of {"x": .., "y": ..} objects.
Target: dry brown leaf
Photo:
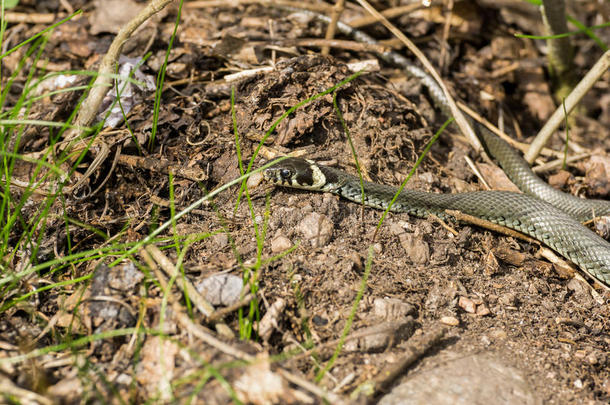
[{"x": 111, "y": 15}]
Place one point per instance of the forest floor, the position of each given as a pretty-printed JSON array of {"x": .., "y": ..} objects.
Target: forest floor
[{"x": 456, "y": 310}]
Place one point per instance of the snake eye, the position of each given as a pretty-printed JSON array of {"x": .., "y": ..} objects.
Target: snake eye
[{"x": 286, "y": 174}]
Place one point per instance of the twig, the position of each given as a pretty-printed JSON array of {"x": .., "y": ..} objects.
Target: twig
[
  {"x": 103, "y": 80},
  {"x": 477, "y": 172},
  {"x": 557, "y": 163},
  {"x": 67, "y": 6},
  {"x": 444, "y": 58},
  {"x": 9, "y": 389},
  {"x": 600, "y": 67},
  {"x": 153, "y": 256},
  {"x": 444, "y": 224},
  {"x": 388, "y": 13},
  {"x": 318, "y": 8},
  {"x": 566, "y": 268},
  {"x": 162, "y": 166},
  {"x": 328, "y": 397},
  {"x": 511, "y": 141},
  {"x": 101, "y": 153},
  {"x": 170, "y": 270},
  {"x": 29, "y": 18},
  {"x": 221, "y": 313},
  {"x": 331, "y": 29},
  {"x": 333, "y": 43},
  {"x": 201, "y": 333},
  {"x": 460, "y": 216}
]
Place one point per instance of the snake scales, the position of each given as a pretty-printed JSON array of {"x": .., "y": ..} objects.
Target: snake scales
[{"x": 544, "y": 213}]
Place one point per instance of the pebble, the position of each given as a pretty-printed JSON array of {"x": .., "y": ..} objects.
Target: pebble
[
  {"x": 380, "y": 337},
  {"x": 221, "y": 289},
  {"x": 482, "y": 310},
  {"x": 255, "y": 180},
  {"x": 356, "y": 260},
  {"x": 392, "y": 309},
  {"x": 220, "y": 239},
  {"x": 498, "y": 334},
  {"x": 122, "y": 278},
  {"x": 485, "y": 340},
  {"x": 508, "y": 299},
  {"x": 396, "y": 229},
  {"x": 467, "y": 305},
  {"x": 416, "y": 249},
  {"x": 450, "y": 320},
  {"x": 280, "y": 244},
  {"x": 316, "y": 228}
]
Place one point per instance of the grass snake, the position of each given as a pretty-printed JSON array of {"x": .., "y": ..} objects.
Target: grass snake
[{"x": 542, "y": 212}]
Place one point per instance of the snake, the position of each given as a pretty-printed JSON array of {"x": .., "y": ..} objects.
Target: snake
[{"x": 542, "y": 212}]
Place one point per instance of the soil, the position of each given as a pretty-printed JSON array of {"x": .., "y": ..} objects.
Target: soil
[{"x": 485, "y": 294}]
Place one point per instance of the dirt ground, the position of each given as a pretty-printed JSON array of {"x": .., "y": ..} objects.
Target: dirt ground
[{"x": 460, "y": 292}]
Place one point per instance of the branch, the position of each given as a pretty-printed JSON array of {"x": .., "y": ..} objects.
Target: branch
[
  {"x": 600, "y": 67},
  {"x": 103, "y": 81}
]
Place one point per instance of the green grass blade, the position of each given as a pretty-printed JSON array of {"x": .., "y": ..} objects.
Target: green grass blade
[{"x": 41, "y": 33}]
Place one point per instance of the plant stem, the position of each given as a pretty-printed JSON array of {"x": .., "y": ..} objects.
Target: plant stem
[{"x": 560, "y": 52}]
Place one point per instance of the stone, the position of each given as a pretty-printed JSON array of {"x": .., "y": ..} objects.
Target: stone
[{"x": 474, "y": 380}]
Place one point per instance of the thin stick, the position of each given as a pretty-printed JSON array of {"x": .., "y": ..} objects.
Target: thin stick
[
  {"x": 27, "y": 397},
  {"x": 318, "y": 8},
  {"x": 332, "y": 27},
  {"x": 222, "y": 312},
  {"x": 203, "y": 334},
  {"x": 103, "y": 81},
  {"x": 557, "y": 163},
  {"x": 153, "y": 256},
  {"x": 600, "y": 67},
  {"x": 332, "y": 43},
  {"x": 460, "y": 216},
  {"x": 200, "y": 332},
  {"x": 387, "y": 13},
  {"x": 328, "y": 397},
  {"x": 511, "y": 141},
  {"x": 170, "y": 270},
  {"x": 29, "y": 18}
]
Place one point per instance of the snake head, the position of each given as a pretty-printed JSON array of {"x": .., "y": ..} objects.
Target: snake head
[{"x": 296, "y": 173}]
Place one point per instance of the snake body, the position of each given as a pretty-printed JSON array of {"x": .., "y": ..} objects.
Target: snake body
[
  {"x": 521, "y": 212},
  {"x": 544, "y": 213}
]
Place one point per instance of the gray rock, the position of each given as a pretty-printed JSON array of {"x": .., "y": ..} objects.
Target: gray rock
[
  {"x": 473, "y": 380},
  {"x": 221, "y": 289}
]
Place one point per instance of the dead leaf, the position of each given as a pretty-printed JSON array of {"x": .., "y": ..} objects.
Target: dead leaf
[
  {"x": 156, "y": 370},
  {"x": 111, "y": 15},
  {"x": 496, "y": 178}
]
